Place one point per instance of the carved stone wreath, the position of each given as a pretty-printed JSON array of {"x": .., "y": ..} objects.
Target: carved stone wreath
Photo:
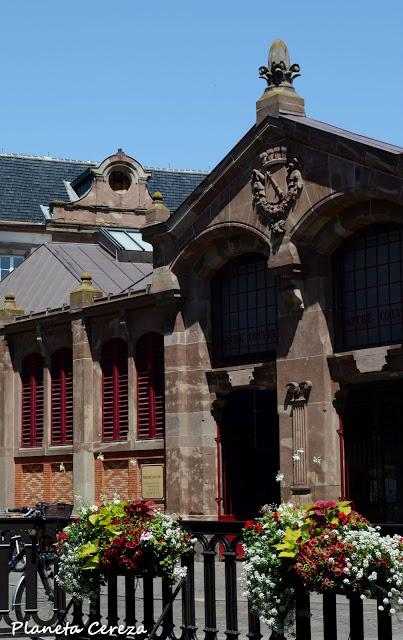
[{"x": 274, "y": 214}]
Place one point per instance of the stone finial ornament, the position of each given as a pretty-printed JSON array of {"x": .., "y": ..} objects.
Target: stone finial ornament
[
  {"x": 158, "y": 212},
  {"x": 85, "y": 293},
  {"x": 279, "y": 96},
  {"x": 279, "y": 70},
  {"x": 9, "y": 309}
]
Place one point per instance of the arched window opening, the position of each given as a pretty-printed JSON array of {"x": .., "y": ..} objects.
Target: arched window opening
[
  {"x": 368, "y": 273},
  {"x": 32, "y": 401},
  {"x": 61, "y": 373},
  {"x": 115, "y": 403},
  {"x": 244, "y": 312},
  {"x": 150, "y": 386}
]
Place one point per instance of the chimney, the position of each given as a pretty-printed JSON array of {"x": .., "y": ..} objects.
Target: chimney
[{"x": 279, "y": 95}]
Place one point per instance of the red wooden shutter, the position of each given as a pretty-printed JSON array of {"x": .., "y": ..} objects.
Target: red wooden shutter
[
  {"x": 32, "y": 401},
  {"x": 62, "y": 397},
  {"x": 150, "y": 386},
  {"x": 115, "y": 404}
]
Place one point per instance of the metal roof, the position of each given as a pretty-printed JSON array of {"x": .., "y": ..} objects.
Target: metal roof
[{"x": 46, "y": 278}]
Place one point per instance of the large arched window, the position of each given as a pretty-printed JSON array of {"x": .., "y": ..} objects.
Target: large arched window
[
  {"x": 115, "y": 404},
  {"x": 32, "y": 401},
  {"x": 61, "y": 373},
  {"x": 369, "y": 289},
  {"x": 244, "y": 311},
  {"x": 150, "y": 386}
]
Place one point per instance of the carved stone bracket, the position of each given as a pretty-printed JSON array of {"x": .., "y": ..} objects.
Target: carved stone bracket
[
  {"x": 297, "y": 397},
  {"x": 40, "y": 336},
  {"x": 275, "y": 187}
]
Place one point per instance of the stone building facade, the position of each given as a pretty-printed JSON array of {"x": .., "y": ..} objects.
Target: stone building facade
[{"x": 277, "y": 290}]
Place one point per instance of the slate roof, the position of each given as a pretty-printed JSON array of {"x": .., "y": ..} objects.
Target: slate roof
[
  {"x": 174, "y": 185},
  {"x": 47, "y": 277},
  {"x": 27, "y": 182}
]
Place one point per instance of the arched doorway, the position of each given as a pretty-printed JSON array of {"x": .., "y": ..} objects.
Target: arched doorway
[{"x": 250, "y": 452}]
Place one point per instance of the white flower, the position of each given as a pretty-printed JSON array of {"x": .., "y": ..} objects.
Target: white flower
[
  {"x": 317, "y": 460},
  {"x": 279, "y": 476},
  {"x": 62, "y": 467},
  {"x": 363, "y": 596},
  {"x": 180, "y": 572},
  {"x": 133, "y": 462},
  {"x": 146, "y": 536},
  {"x": 300, "y": 451},
  {"x": 380, "y": 608},
  {"x": 296, "y": 456},
  {"x": 100, "y": 456},
  {"x": 372, "y": 576}
]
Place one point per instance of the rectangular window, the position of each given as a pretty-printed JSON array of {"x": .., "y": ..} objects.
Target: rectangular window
[{"x": 8, "y": 264}]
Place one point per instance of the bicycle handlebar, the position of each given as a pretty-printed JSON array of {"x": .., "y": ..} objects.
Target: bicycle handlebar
[{"x": 43, "y": 510}]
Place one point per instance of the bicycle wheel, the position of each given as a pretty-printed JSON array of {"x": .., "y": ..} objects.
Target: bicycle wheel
[{"x": 46, "y": 613}]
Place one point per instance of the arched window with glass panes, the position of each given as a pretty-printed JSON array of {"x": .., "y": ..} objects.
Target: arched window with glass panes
[
  {"x": 244, "y": 312},
  {"x": 115, "y": 402},
  {"x": 150, "y": 386},
  {"x": 32, "y": 401},
  {"x": 368, "y": 276},
  {"x": 61, "y": 374}
]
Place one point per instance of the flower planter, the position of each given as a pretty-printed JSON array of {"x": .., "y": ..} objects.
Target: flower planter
[
  {"x": 324, "y": 547},
  {"x": 120, "y": 538}
]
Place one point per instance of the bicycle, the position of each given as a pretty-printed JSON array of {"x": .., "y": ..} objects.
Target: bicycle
[{"x": 45, "y": 613}]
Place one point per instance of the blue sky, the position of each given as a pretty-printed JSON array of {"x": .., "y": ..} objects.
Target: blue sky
[{"x": 174, "y": 83}]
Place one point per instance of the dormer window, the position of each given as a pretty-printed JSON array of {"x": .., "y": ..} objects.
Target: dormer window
[{"x": 119, "y": 181}]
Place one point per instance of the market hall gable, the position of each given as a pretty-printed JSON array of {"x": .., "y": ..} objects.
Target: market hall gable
[{"x": 285, "y": 353}]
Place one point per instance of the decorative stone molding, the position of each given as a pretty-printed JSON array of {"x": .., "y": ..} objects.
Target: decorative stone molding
[
  {"x": 223, "y": 381},
  {"x": 297, "y": 397},
  {"x": 276, "y": 187}
]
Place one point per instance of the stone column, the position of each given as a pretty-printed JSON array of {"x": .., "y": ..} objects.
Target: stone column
[
  {"x": 8, "y": 312},
  {"x": 191, "y": 431},
  {"x": 83, "y": 394},
  {"x": 298, "y": 397}
]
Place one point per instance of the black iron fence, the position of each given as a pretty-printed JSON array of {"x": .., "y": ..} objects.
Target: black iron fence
[{"x": 209, "y": 604}]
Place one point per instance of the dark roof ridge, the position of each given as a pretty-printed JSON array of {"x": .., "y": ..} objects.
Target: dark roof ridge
[
  {"x": 27, "y": 156},
  {"x": 169, "y": 170},
  {"x": 331, "y": 128}
]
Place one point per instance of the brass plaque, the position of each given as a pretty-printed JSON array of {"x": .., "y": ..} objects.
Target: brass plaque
[{"x": 152, "y": 481}]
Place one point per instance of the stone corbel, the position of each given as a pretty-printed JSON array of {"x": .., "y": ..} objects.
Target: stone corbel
[
  {"x": 219, "y": 382},
  {"x": 297, "y": 397},
  {"x": 123, "y": 324},
  {"x": 264, "y": 376},
  {"x": 41, "y": 339}
]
